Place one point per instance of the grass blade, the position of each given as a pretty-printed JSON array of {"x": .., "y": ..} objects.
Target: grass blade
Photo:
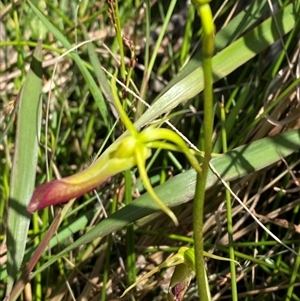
[
  {"x": 24, "y": 166},
  {"x": 101, "y": 76}
]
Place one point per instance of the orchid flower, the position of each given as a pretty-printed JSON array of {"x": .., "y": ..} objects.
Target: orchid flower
[
  {"x": 184, "y": 272},
  {"x": 132, "y": 150}
]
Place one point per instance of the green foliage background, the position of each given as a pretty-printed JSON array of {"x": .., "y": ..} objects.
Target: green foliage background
[{"x": 256, "y": 71}]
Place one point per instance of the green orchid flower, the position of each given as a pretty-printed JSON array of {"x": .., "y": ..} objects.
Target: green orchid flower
[
  {"x": 184, "y": 262},
  {"x": 130, "y": 151}
]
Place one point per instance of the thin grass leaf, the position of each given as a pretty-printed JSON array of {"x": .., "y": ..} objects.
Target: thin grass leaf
[
  {"x": 96, "y": 92},
  {"x": 24, "y": 166},
  {"x": 102, "y": 79},
  {"x": 34, "y": 259}
]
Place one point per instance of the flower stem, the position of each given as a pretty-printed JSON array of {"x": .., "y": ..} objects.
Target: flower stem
[{"x": 205, "y": 14}]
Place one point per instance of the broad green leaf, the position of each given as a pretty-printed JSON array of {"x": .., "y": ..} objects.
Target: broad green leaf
[{"x": 22, "y": 179}]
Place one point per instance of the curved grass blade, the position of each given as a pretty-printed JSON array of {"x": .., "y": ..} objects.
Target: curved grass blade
[{"x": 22, "y": 179}]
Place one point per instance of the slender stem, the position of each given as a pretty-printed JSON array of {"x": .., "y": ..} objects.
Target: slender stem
[
  {"x": 130, "y": 248},
  {"x": 119, "y": 38},
  {"x": 126, "y": 120},
  {"x": 108, "y": 254},
  {"x": 144, "y": 85},
  {"x": 229, "y": 215},
  {"x": 156, "y": 47},
  {"x": 208, "y": 49}
]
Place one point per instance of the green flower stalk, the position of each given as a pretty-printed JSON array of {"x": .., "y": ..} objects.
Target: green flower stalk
[
  {"x": 208, "y": 45},
  {"x": 132, "y": 150}
]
